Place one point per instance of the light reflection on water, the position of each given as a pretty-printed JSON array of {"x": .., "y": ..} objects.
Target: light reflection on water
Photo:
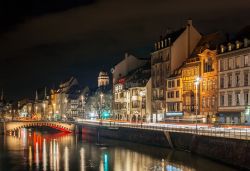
[{"x": 59, "y": 151}]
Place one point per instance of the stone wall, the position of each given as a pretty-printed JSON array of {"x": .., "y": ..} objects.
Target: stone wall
[{"x": 230, "y": 151}]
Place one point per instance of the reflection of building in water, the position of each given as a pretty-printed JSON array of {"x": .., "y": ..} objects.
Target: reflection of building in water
[
  {"x": 104, "y": 163},
  {"x": 82, "y": 159},
  {"x": 125, "y": 160}
]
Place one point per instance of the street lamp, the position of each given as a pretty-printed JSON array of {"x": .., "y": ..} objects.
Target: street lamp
[
  {"x": 197, "y": 82},
  {"x": 66, "y": 107},
  {"x": 101, "y": 95},
  {"x": 82, "y": 105},
  {"x": 44, "y": 106}
]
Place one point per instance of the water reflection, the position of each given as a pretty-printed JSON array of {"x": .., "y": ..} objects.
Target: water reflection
[{"x": 36, "y": 150}]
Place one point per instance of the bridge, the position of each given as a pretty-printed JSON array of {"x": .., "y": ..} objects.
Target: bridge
[{"x": 16, "y": 125}]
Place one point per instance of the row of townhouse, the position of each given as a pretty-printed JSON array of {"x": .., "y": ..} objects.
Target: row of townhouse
[
  {"x": 193, "y": 76},
  {"x": 222, "y": 91},
  {"x": 132, "y": 90}
]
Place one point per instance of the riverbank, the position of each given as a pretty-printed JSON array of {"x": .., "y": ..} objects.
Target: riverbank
[{"x": 234, "y": 152}]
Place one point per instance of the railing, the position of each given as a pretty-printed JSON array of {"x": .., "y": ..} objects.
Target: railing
[{"x": 235, "y": 133}]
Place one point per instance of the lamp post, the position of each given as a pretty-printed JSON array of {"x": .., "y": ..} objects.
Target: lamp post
[
  {"x": 101, "y": 95},
  {"x": 44, "y": 106},
  {"x": 66, "y": 106},
  {"x": 197, "y": 82},
  {"x": 82, "y": 105}
]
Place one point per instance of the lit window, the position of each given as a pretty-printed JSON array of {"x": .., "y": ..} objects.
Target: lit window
[{"x": 246, "y": 60}]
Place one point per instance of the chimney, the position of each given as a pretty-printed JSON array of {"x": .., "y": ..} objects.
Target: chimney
[
  {"x": 126, "y": 55},
  {"x": 189, "y": 22},
  {"x": 36, "y": 96}
]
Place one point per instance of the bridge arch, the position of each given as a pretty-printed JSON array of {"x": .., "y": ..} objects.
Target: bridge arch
[{"x": 64, "y": 127}]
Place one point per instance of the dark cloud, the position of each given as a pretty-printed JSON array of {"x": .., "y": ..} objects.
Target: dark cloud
[{"x": 58, "y": 39}]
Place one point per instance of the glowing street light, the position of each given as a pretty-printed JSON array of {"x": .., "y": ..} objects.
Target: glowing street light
[{"x": 197, "y": 82}]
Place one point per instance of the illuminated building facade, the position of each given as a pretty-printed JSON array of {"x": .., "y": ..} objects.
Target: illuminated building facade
[
  {"x": 103, "y": 79},
  {"x": 208, "y": 85},
  {"x": 190, "y": 71},
  {"x": 120, "y": 92},
  {"x": 168, "y": 55},
  {"x": 234, "y": 82},
  {"x": 133, "y": 95},
  {"x": 174, "y": 99}
]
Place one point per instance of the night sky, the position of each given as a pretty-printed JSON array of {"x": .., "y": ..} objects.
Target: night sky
[{"x": 43, "y": 42}]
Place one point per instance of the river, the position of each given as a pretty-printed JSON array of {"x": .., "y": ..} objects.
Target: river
[{"x": 48, "y": 150}]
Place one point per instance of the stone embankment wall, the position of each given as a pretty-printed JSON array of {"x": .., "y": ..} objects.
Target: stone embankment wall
[{"x": 230, "y": 151}]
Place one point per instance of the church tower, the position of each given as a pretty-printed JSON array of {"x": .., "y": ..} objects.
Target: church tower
[{"x": 103, "y": 79}]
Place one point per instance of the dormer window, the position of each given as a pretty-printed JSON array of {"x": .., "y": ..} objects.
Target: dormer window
[
  {"x": 159, "y": 45},
  {"x": 222, "y": 49},
  {"x": 229, "y": 46},
  {"x": 162, "y": 44},
  {"x": 155, "y": 46},
  {"x": 237, "y": 44}
]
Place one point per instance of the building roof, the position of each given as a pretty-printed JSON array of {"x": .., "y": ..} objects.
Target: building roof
[
  {"x": 169, "y": 38},
  {"x": 138, "y": 77},
  {"x": 210, "y": 41}
]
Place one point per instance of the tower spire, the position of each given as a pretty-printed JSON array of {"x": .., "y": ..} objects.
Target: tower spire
[{"x": 36, "y": 96}]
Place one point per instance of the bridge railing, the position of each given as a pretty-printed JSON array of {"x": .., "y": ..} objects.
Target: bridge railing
[{"x": 235, "y": 133}]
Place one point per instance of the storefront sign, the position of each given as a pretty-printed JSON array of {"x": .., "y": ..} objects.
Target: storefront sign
[{"x": 172, "y": 114}]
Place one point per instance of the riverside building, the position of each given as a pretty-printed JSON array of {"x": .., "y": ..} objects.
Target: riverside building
[
  {"x": 234, "y": 82},
  {"x": 168, "y": 55}
]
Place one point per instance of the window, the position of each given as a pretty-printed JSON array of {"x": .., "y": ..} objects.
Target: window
[
  {"x": 246, "y": 61},
  {"x": 204, "y": 85},
  {"x": 229, "y": 80},
  {"x": 134, "y": 93},
  {"x": 135, "y": 104},
  {"x": 246, "y": 78},
  {"x": 222, "y": 100},
  {"x": 177, "y": 94},
  {"x": 246, "y": 97},
  {"x": 229, "y": 99},
  {"x": 169, "y": 95},
  {"x": 225, "y": 64},
  {"x": 237, "y": 79},
  {"x": 208, "y": 102},
  {"x": 178, "y": 83},
  {"x": 203, "y": 102},
  {"x": 169, "y": 84},
  {"x": 237, "y": 62},
  {"x": 213, "y": 102},
  {"x": 208, "y": 65},
  {"x": 209, "y": 85},
  {"x": 231, "y": 63},
  {"x": 173, "y": 83},
  {"x": 237, "y": 95},
  {"x": 221, "y": 81},
  {"x": 221, "y": 65}
]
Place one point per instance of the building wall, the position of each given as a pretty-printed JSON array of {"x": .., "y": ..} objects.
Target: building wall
[
  {"x": 128, "y": 64},
  {"x": 189, "y": 74},
  {"x": 208, "y": 85},
  {"x": 234, "y": 86},
  {"x": 148, "y": 100},
  {"x": 184, "y": 46},
  {"x": 166, "y": 60},
  {"x": 174, "y": 97}
]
